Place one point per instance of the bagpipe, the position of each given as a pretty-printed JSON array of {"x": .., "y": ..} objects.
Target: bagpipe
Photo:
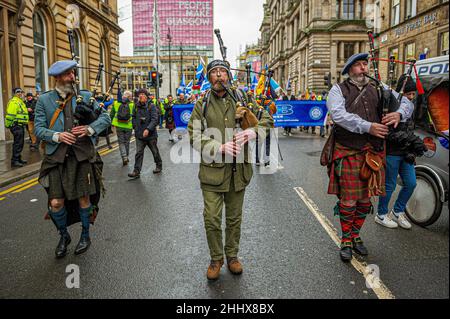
[
  {"x": 85, "y": 112},
  {"x": 402, "y": 135}
]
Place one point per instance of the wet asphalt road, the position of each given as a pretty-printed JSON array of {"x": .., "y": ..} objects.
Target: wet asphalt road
[{"x": 149, "y": 241}]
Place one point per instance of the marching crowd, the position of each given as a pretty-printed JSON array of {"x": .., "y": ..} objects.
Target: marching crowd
[{"x": 71, "y": 171}]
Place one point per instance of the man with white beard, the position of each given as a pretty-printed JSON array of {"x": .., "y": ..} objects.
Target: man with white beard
[
  {"x": 359, "y": 133},
  {"x": 71, "y": 169}
]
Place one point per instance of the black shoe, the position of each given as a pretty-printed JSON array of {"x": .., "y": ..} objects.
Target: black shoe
[
  {"x": 346, "y": 253},
  {"x": 157, "y": 170},
  {"x": 83, "y": 245},
  {"x": 61, "y": 249},
  {"x": 21, "y": 161},
  {"x": 16, "y": 164},
  {"x": 359, "y": 247},
  {"x": 267, "y": 163},
  {"x": 134, "y": 174},
  {"x": 125, "y": 161}
]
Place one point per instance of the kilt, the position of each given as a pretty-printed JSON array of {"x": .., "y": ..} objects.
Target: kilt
[
  {"x": 344, "y": 174},
  {"x": 72, "y": 180}
]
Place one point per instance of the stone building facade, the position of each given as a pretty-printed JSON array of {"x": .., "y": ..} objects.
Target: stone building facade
[
  {"x": 33, "y": 35},
  {"x": 303, "y": 40},
  {"x": 412, "y": 29}
]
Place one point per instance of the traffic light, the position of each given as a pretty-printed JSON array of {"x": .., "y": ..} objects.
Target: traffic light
[
  {"x": 327, "y": 80},
  {"x": 153, "y": 77},
  {"x": 160, "y": 79}
]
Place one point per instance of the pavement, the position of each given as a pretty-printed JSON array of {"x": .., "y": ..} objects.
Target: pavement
[{"x": 9, "y": 175}]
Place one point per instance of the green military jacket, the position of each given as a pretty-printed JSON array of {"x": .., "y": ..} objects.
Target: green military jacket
[{"x": 215, "y": 173}]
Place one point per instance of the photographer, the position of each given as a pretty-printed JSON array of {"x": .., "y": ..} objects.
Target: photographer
[{"x": 402, "y": 147}]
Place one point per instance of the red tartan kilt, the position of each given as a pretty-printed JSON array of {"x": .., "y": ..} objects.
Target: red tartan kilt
[{"x": 347, "y": 184}]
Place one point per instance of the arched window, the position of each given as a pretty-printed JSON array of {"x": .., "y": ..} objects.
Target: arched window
[
  {"x": 79, "y": 53},
  {"x": 40, "y": 52},
  {"x": 102, "y": 60}
]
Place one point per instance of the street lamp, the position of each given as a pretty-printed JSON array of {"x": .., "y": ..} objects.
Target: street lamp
[{"x": 169, "y": 38}]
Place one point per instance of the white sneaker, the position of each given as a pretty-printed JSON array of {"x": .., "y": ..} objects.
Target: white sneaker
[
  {"x": 401, "y": 220},
  {"x": 386, "y": 221},
  {"x": 284, "y": 134}
]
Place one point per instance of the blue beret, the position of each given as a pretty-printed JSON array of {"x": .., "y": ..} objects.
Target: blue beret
[
  {"x": 61, "y": 67},
  {"x": 351, "y": 60}
]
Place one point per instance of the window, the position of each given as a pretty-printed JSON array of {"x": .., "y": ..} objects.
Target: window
[
  {"x": 394, "y": 52},
  {"x": 395, "y": 12},
  {"x": 410, "y": 51},
  {"x": 40, "y": 53},
  {"x": 348, "y": 9},
  {"x": 411, "y": 8},
  {"x": 102, "y": 60},
  {"x": 349, "y": 50},
  {"x": 443, "y": 43},
  {"x": 78, "y": 53}
]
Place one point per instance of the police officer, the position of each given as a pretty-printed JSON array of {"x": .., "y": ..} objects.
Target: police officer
[
  {"x": 71, "y": 169},
  {"x": 16, "y": 120},
  {"x": 218, "y": 181}
]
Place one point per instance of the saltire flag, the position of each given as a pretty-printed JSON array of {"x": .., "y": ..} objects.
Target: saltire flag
[
  {"x": 199, "y": 72},
  {"x": 254, "y": 83},
  {"x": 274, "y": 88},
  {"x": 288, "y": 85},
  {"x": 205, "y": 85},
  {"x": 188, "y": 89},
  {"x": 182, "y": 87}
]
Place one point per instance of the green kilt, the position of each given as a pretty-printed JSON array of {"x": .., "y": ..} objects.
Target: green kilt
[{"x": 72, "y": 180}]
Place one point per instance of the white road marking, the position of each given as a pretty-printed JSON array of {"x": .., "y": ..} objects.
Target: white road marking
[{"x": 380, "y": 289}]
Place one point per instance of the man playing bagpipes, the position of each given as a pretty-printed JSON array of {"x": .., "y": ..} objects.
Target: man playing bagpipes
[
  {"x": 71, "y": 171},
  {"x": 223, "y": 181},
  {"x": 356, "y": 166}
]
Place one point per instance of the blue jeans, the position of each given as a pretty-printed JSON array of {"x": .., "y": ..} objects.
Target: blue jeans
[{"x": 396, "y": 165}]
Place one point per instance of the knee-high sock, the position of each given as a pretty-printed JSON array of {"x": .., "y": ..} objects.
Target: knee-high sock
[
  {"x": 85, "y": 214},
  {"x": 362, "y": 209},
  {"x": 60, "y": 220},
  {"x": 346, "y": 215}
]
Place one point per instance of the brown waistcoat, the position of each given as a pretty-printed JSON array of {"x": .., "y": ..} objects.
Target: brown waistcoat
[{"x": 367, "y": 109}]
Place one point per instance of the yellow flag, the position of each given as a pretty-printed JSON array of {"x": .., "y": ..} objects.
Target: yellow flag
[
  {"x": 307, "y": 95},
  {"x": 260, "y": 87}
]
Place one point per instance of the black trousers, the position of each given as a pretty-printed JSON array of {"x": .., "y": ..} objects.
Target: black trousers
[
  {"x": 140, "y": 148},
  {"x": 18, "y": 131}
]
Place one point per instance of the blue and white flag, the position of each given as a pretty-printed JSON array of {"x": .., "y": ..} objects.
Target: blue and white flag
[
  {"x": 188, "y": 89},
  {"x": 205, "y": 85},
  {"x": 199, "y": 72},
  {"x": 254, "y": 83},
  {"x": 288, "y": 85},
  {"x": 182, "y": 86},
  {"x": 274, "y": 88}
]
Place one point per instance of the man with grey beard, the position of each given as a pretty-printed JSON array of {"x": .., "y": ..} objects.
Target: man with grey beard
[
  {"x": 221, "y": 180},
  {"x": 71, "y": 169},
  {"x": 359, "y": 132}
]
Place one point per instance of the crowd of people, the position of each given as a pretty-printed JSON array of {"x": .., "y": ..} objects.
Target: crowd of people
[{"x": 71, "y": 171}]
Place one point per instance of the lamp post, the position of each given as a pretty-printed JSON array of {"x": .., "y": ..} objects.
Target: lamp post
[
  {"x": 181, "y": 50},
  {"x": 169, "y": 38}
]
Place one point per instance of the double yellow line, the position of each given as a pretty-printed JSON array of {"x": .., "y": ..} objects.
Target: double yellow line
[{"x": 34, "y": 181}]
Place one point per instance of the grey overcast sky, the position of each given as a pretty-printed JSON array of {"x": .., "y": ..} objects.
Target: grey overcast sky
[{"x": 238, "y": 21}]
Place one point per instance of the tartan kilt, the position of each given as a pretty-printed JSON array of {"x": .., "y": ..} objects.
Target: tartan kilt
[
  {"x": 72, "y": 180},
  {"x": 344, "y": 174}
]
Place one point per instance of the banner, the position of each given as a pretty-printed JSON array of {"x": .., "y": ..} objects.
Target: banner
[
  {"x": 300, "y": 113},
  {"x": 289, "y": 113},
  {"x": 182, "y": 114}
]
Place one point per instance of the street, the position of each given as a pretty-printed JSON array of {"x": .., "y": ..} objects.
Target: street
[{"x": 149, "y": 240}]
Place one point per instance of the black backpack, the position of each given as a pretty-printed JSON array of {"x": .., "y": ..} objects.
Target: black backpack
[{"x": 124, "y": 114}]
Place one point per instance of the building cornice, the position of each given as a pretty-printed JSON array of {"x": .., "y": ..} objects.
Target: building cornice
[{"x": 101, "y": 16}]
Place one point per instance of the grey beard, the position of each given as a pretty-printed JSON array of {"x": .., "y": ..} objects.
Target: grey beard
[
  {"x": 64, "y": 89},
  {"x": 359, "y": 80}
]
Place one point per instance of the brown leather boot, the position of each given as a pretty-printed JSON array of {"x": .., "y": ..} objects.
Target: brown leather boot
[
  {"x": 214, "y": 269},
  {"x": 234, "y": 265}
]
